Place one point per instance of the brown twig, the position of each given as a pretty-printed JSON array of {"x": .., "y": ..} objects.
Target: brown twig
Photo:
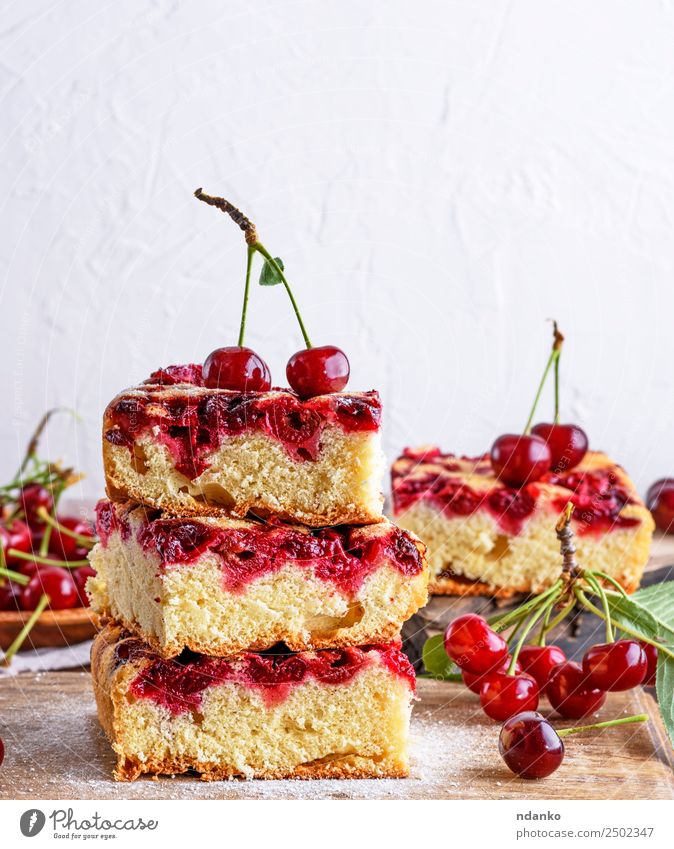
[{"x": 235, "y": 214}]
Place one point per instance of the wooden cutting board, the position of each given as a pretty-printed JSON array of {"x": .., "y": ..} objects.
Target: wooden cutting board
[{"x": 55, "y": 750}]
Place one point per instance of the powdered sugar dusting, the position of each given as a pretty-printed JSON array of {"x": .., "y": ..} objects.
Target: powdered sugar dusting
[{"x": 56, "y": 749}]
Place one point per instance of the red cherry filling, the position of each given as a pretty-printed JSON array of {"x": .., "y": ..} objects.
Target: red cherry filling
[
  {"x": 538, "y": 661},
  {"x": 318, "y": 371},
  {"x": 31, "y": 498},
  {"x": 502, "y": 695},
  {"x": 621, "y": 665},
  {"x": 570, "y": 693},
  {"x": 530, "y": 746},
  {"x": 15, "y": 534},
  {"x": 473, "y": 645},
  {"x": 236, "y": 368},
  {"x": 660, "y": 501},
  {"x": 568, "y": 444},
  {"x": 53, "y": 581},
  {"x": 519, "y": 459}
]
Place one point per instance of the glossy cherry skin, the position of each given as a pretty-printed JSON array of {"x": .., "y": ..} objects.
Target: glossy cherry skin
[
  {"x": 568, "y": 444},
  {"x": 569, "y": 692},
  {"x": 518, "y": 459},
  {"x": 538, "y": 661},
  {"x": 2, "y": 751},
  {"x": 652, "y": 664},
  {"x": 621, "y": 665},
  {"x": 64, "y": 546},
  {"x": 660, "y": 501},
  {"x": 15, "y": 534},
  {"x": 530, "y": 746},
  {"x": 31, "y": 498},
  {"x": 239, "y": 369},
  {"x": 80, "y": 577},
  {"x": 10, "y": 596},
  {"x": 502, "y": 696},
  {"x": 473, "y": 645},
  {"x": 474, "y": 682},
  {"x": 318, "y": 371},
  {"x": 57, "y": 583}
]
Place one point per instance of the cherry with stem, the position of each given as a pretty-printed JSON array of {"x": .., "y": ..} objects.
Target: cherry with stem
[{"x": 314, "y": 370}]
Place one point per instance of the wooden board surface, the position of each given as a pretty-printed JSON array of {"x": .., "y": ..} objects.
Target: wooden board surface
[{"x": 55, "y": 750}]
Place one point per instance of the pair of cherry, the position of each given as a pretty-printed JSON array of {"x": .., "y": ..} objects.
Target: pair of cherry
[
  {"x": 521, "y": 458},
  {"x": 310, "y": 372}
]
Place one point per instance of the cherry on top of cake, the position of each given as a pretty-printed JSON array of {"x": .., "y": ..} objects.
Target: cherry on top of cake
[
  {"x": 247, "y": 549},
  {"x": 462, "y": 486},
  {"x": 192, "y": 420},
  {"x": 179, "y": 684}
]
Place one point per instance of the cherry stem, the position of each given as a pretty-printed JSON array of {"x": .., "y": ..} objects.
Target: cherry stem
[
  {"x": 47, "y": 561},
  {"x": 557, "y": 340},
  {"x": 545, "y": 608},
  {"x": 31, "y": 449},
  {"x": 17, "y": 577},
  {"x": 550, "y": 626},
  {"x": 598, "y": 590},
  {"x": 244, "y": 309},
  {"x": 270, "y": 259},
  {"x": 500, "y": 623},
  {"x": 46, "y": 517},
  {"x": 610, "y": 580},
  {"x": 545, "y": 627},
  {"x": 625, "y": 720},
  {"x": 254, "y": 244},
  {"x": 567, "y": 547},
  {"x": 18, "y": 642},
  {"x": 627, "y": 629}
]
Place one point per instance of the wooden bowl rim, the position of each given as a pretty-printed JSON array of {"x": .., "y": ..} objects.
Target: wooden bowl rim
[{"x": 60, "y": 618}]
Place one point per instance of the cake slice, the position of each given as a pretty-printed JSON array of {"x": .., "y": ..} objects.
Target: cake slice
[
  {"x": 332, "y": 714},
  {"x": 219, "y": 586},
  {"x": 172, "y": 443},
  {"x": 485, "y": 538}
]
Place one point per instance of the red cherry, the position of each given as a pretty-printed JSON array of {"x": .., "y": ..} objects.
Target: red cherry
[
  {"x": 2, "y": 751},
  {"x": 567, "y": 443},
  {"x": 318, "y": 371},
  {"x": 28, "y": 568},
  {"x": 475, "y": 682},
  {"x": 570, "y": 693},
  {"x": 472, "y": 644},
  {"x": 652, "y": 664},
  {"x": 539, "y": 660},
  {"x": 621, "y": 665},
  {"x": 81, "y": 576},
  {"x": 15, "y": 534},
  {"x": 64, "y": 546},
  {"x": 660, "y": 501},
  {"x": 502, "y": 696},
  {"x": 31, "y": 497},
  {"x": 530, "y": 746},
  {"x": 57, "y": 583},
  {"x": 10, "y": 596},
  {"x": 518, "y": 459},
  {"x": 240, "y": 369}
]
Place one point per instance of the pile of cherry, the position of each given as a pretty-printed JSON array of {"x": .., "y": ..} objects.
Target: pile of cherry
[
  {"x": 510, "y": 687},
  {"x": 42, "y": 554}
]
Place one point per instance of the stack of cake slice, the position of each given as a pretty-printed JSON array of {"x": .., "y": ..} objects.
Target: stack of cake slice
[{"x": 252, "y": 591}]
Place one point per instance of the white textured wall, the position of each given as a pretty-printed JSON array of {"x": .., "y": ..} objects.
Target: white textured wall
[{"x": 439, "y": 177}]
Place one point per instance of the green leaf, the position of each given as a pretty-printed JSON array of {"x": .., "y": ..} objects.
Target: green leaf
[
  {"x": 658, "y": 599},
  {"x": 435, "y": 657},
  {"x": 664, "y": 687},
  {"x": 633, "y": 614},
  {"x": 269, "y": 276}
]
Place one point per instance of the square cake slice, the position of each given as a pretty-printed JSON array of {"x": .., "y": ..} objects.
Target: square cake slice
[
  {"x": 486, "y": 538},
  {"x": 219, "y": 586},
  {"x": 186, "y": 448},
  {"x": 340, "y": 713}
]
